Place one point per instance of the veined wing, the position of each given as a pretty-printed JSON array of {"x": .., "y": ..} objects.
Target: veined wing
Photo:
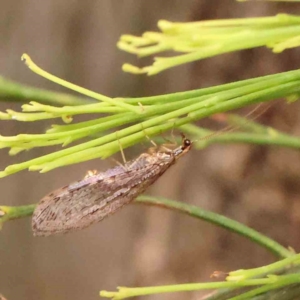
[{"x": 89, "y": 201}]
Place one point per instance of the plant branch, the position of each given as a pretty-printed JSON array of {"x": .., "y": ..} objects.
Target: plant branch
[
  {"x": 13, "y": 212},
  {"x": 8, "y": 213},
  {"x": 218, "y": 220},
  {"x": 15, "y": 92},
  {"x": 157, "y": 114},
  {"x": 255, "y": 134},
  {"x": 203, "y": 39}
]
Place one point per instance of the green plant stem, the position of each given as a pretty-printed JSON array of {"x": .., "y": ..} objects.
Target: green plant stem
[
  {"x": 152, "y": 120},
  {"x": 10, "y": 212},
  {"x": 250, "y": 40},
  {"x": 259, "y": 139},
  {"x": 15, "y": 212},
  {"x": 278, "y": 20},
  {"x": 239, "y": 275},
  {"x": 15, "y": 92},
  {"x": 219, "y": 220},
  {"x": 91, "y": 149},
  {"x": 285, "y": 280},
  {"x": 203, "y": 39},
  {"x": 36, "y": 69},
  {"x": 265, "y": 136},
  {"x": 237, "y": 278},
  {"x": 209, "y": 91},
  {"x": 268, "y": 284}
]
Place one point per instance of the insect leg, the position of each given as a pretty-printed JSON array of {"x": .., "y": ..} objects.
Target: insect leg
[
  {"x": 147, "y": 136},
  {"x": 121, "y": 150}
]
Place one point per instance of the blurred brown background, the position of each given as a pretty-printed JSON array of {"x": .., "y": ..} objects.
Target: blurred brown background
[{"x": 143, "y": 246}]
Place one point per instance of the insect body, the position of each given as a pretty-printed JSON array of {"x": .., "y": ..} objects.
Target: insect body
[{"x": 90, "y": 200}]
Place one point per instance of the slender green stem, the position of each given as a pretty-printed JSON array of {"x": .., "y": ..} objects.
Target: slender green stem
[
  {"x": 282, "y": 282},
  {"x": 280, "y": 19},
  {"x": 190, "y": 105},
  {"x": 15, "y": 212},
  {"x": 219, "y": 220},
  {"x": 239, "y": 278},
  {"x": 199, "y": 40},
  {"x": 10, "y": 212},
  {"x": 270, "y": 283},
  {"x": 153, "y": 119},
  {"x": 266, "y": 80},
  {"x": 15, "y": 92},
  {"x": 238, "y": 275},
  {"x": 265, "y": 135},
  {"x": 11, "y": 91},
  {"x": 76, "y": 88}
]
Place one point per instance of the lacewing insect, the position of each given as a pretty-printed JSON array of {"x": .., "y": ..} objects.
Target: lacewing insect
[{"x": 97, "y": 196}]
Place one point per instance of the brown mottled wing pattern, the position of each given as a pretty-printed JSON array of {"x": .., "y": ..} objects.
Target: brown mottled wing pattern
[{"x": 92, "y": 199}]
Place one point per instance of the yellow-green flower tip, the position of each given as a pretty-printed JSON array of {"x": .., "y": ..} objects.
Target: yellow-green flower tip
[
  {"x": 67, "y": 118},
  {"x": 132, "y": 69},
  {"x": 107, "y": 294}
]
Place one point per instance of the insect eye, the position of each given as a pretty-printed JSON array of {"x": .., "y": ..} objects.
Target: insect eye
[{"x": 187, "y": 142}]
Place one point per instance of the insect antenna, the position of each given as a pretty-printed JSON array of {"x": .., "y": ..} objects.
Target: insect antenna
[{"x": 229, "y": 128}]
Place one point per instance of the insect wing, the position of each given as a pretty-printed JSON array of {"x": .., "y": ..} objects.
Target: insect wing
[{"x": 89, "y": 201}]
